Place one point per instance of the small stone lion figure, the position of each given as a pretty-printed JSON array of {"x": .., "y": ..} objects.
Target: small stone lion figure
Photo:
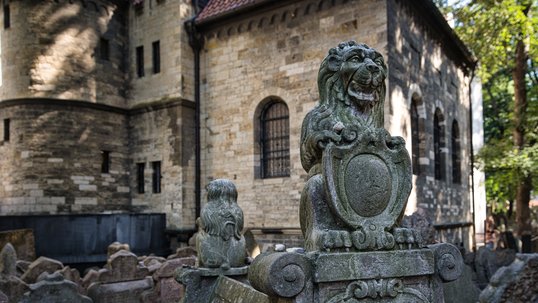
[{"x": 219, "y": 241}]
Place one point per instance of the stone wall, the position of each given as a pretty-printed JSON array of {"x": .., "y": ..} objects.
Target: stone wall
[
  {"x": 52, "y": 162},
  {"x": 419, "y": 67},
  {"x": 277, "y": 53},
  {"x": 161, "y": 21},
  {"x": 54, "y": 49},
  {"x": 164, "y": 134}
]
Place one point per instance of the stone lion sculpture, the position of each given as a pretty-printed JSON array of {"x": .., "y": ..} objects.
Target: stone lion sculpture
[
  {"x": 219, "y": 240},
  {"x": 345, "y": 205}
]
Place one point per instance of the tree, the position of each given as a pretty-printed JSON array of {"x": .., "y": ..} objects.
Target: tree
[{"x": 503, "y": 36}]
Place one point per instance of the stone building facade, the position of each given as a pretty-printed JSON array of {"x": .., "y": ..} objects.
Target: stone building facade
[{"x": 100, "y": 101}]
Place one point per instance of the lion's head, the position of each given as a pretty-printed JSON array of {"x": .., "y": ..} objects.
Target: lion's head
[
  {"x": 351, "y": 83},
  {"x": 352, "y": 78}
]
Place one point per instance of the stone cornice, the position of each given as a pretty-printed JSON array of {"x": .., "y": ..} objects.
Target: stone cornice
[{"x": 139, "y": 109}]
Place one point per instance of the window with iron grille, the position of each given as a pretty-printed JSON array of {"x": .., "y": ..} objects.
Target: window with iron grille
[
  {"x": 415, "y": 138},
  {"x": 438, "y": 145},
  {"x": 275, "y": 140},
  {"x": 456, "y": 160}
]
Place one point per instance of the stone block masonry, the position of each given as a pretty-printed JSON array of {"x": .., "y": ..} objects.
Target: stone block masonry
[
  {"x": 278, "y": 56},
  {"x": 53, "y": 160}
]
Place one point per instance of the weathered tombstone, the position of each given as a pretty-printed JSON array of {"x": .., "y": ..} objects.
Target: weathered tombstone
[
  {"x": 39, "y": 266},
  {"x": 10, "y": 285},
  {"x": 221, "y": 247},
  {"x": 23, "y": 240},
  {"x": 3, "y": 298},
  {"x": 359, "y": 179},
  {"x": 183, "y": 252},
  {"x": 8, "y": 260},
  {"x": 54, "y": 288},
  {"x": 517, "y": 282},
  {"x": 122, "y": 280},
  {"x": 462, "y": 290},
  {"x": 117, "y": 246},
  {"x": 166, "y": 288}
]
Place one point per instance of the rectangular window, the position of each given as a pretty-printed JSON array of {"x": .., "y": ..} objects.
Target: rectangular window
[
  {"x": 140, "y": 61},
  {"x": 140, "y": 167},
  {"x": 104, "y": 49},
  {"x": 156, "y": 179},
  {"x": 7, "y": 15},
  {"x": 6, "y": 130},
  {"x": 105, "y": 162},
  {"x": 156, "y": 57}
]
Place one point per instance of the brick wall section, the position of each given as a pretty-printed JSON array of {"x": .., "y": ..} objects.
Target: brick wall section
[
  {"x": 161, "y": 21},
  {"x": 52, "y": 162},
  {"x": 274, "y": 54},
  {"x": 52, "y": 50},
  {"x": 165, "y": 135},
  {"x": 419, "y": 65}
]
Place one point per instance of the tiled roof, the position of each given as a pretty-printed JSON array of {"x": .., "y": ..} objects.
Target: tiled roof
[{"x": 219, "y": 7}]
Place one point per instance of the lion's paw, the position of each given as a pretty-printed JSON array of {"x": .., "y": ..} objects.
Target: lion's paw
[
  {"x": 407, "y": 238},
  {"x": 334, "y": 239}
]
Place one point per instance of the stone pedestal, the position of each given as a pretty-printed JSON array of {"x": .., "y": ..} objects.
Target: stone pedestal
[
  {"x": 201, "y": 283},
  {"x": 382, "y": 276}
]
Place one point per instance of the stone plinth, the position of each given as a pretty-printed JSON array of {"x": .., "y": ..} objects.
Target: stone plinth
[
  {"x": 200, "y": 283},
  {"x": 413, "y": 275}
]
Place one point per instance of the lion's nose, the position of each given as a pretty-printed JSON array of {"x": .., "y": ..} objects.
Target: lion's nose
[{"x": 370, "y": 65}]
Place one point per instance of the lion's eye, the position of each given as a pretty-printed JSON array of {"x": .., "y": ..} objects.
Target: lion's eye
[
  {"x": 379, "y": 61},
  {"x": 355, "y": 58}
]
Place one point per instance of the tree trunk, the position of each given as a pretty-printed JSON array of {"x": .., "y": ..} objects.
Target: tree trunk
[{"x": 524, "y": 186}]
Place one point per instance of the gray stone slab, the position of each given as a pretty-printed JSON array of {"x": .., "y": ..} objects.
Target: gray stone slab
[
  {"x": 373, "y": 265},
  {"x": 228, "y": 290},
  {"x": 54, "y": 289},
  {"x": 212, "y": 272},
  {"x": 120, "y": 292}
]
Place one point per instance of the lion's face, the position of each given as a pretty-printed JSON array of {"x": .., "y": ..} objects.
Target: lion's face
[{"x": 362, "y": 72}]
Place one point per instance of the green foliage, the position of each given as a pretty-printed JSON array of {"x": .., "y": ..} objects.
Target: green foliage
[{"x": 491, "y": 29}]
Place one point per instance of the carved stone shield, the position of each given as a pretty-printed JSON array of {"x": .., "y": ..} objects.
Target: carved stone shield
[{"x": 368, "y": 181}]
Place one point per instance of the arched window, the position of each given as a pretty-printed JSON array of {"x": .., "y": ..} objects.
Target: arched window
[
  {"x": 456, "y": 159},
  {"x": 415, "y": 138},
  {"x": 275, "y": 140},
  {"x": 438, "y": 144}
]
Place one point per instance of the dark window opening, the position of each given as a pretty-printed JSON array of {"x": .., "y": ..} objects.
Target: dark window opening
[
  {"x": 7, "y": 130},
  {"x": 105, "y": 162},
  {"x": 156, "y": 57},
  {"x": 104, "y": 49},
  {"x": 140, "y": 61},
  {"x": 156, "y": 178},
  {"x": 456, "y": 159},
  {"x": 7, "y": 16},
  {"x": 415, "y": 138},
  {"x": 140, "y": 167},
  {"x": 438, "y": 145},
  {"x": 275, "y": 141}
]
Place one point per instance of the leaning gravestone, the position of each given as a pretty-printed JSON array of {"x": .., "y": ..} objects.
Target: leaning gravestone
[
  {"x": 122, "y": 280},
  {"x": 359, "y": 179},
  {"x": 54, "y": 288},
  {"x": 11, "y": 287}
]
